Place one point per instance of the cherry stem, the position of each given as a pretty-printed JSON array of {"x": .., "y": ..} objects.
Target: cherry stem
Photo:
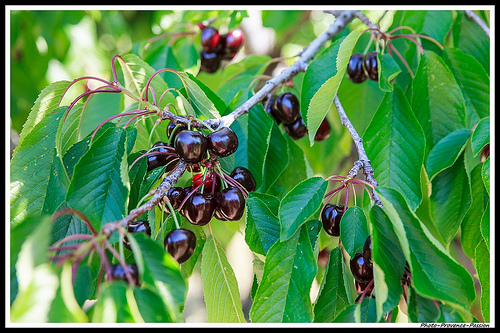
[
  {"x": 163, "y": 70},
  {"x": 365, "y": 291},
  {"x": 114, "y": 90},
  {"x": 152, "y": 153},
  {"x": 234, "y": 183},
  {"x": 393, "y": 48},
  {"x": 150, "y": 113},
  {"x": 129, "y": 113},
  {"x": 82, "y": 78},
  {"x": 122, "y": 263}
]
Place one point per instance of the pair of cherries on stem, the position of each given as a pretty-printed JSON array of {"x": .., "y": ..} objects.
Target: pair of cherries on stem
[
  {"x": 217, "y": 47},
  {"x": 285, "y": 110},
  {"x": 362, "y": 66}
]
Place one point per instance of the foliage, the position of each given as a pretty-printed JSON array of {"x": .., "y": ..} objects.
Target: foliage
[{"x": 424, "y": 125}]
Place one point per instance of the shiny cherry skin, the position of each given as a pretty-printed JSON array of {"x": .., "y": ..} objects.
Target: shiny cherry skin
[
  {"x": 234, "y": 41},
  {"x": 157, "y": 160},
  {"x": 117, "y": 272},
  {"x": 210, "y": 62},
  {"x": 243, "y": 176},
  {"x": 199, "y": 208},
  {"x": 269, "y": 107},
  {"x": 175, "y": 196},
  {"x": 297, "y": 129},
  {"x": 209, "y": 38},
  {"x": 180, "y": 243},
  {"x": 360, "y": 270},
  {"x": 191, "y": 146},
  {"x": 323, "y": 131},
  {"x": 370, "y": 62},
  {"x": 355, "y": 71},
  {"x": 330, "y": 217},
  {"x": 137, "y": 226},
  {"x": 172, "y": 132},
  {"x": 222, "y": 142},
  {"x": 367, "y": 251},
  {"x": 231, "y": 203},
  {"x": 287, "y": 107}
]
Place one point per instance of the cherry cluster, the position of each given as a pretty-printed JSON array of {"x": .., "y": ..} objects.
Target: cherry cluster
[
  {"x": 217, "y": 47},
  {"x": 212, "y": 192},
  {"x": 285, "y": 109},
  {"x": 362, "y": 66}
]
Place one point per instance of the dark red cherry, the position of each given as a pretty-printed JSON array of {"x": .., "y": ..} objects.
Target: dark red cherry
[
  {"x": 269, "y": 107},
  {"x": 330, "y": 217},
  {"x": 222, "y": 142},
  {"x": 180, "y": 243},
  {"x": 199, "y": 208},
  {"x": 175, "y": 196},
  {"x": 212, "y": 182},
  {"x": 355, "y": 71},
  {"x": 137, "y": 226},
  {"x": 287, "y": 107},
  {"x": 117, "y": 272},
  {"x": 370, "y": 61},
  {"x": 297, "y": 129},
  {"x": 191, "y": 146},
  {"x": 210, "y": 38},
  {"x": 210, "y": 62},
  {"x": 187, "y": 191},
  {"x": 485, "y": 153},
  {"x": 157, "y": 160},
  {"x": 172, "y": 131},
  {"x": 234, "y": 41},
  {"x": 367, "y": 251},
  {"x": 324, "y": 131},
  {"x": 243, "y": 176},
  {"x": 360, "y": 270},
  {"x": 360, "y": 287},
  {"x": 231, "y": 203}
]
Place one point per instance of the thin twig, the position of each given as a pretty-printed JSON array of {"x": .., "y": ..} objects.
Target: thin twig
[{"x": 472, "y": 16}]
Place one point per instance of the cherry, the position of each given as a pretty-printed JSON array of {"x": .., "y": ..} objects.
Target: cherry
[
  {"x": 297, "y": 129},
  {"x": 360, "y": 287},
  {"x": 199, "y": 208},
  {"x": 175, "y": 195},
  {"x": 191, "y": 146},
  {"x": 287, "y": 107},
  {"x": 360, "y": 270},
  {"x": 485, "y": 153},
  {"x": 210, "y": 61},
  {"x": 355, "y": 71},
  {"x": 269, "y": 107},
  {"x": 324, "y": 131},
  {"x": 117, "y": 272},
  {"x": 172, "y": 132},
  {"x": 231, "y": 203},
  {"x": 243, "y": 176},
  {"x": 157, "y": 160},
  {"x": 234, "y": 41},
  {"x": 370, "y": 62},
  {"x": 212, "y": 182},
  {"x": 210, "y": 38},
  {"x": 137, "y": 226},
  {"x": 222, "y": 142},
  {"x": 367, "y": 251},
  {"x": 180, "y": 243},
  {"x": 330, "y": 217}
]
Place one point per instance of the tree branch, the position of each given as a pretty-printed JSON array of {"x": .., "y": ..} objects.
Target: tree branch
[
  {"x": 472, "y": 16},
  {"x": 363, "y": 162},
  {"x": 343, "y": 18}
]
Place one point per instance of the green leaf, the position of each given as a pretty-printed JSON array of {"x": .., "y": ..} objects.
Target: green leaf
[
  {"x": 395, "y": 143},
  {"x": 388, "y": 262},
  {"x": 388, "y": 70},
  {"x": 332, "y": 296},
  {"x": 473, "y": 80},
  {"x": 353, "y": 230},
  {"x": 37, "y": 177},
  {"x": 283, "y": 293},
  {"x": 276, "y": 158},
  {"x": 482, "y": 265},
  {"x": 450, "y": 199},
  {"x": 485, "y": 172},
  {"x": 446, "y": 151},
  {"x": 220, "y": 288},
  {"x": 437, "y": 100},
  {"x": 112, "y": 306},
  {"x": 470, "y": 234},
  {"x": 201, "y": 103},
  {"x": 323, "y": 98},
  {"x": 485, "y": 225},
  {"x": 254, "y": 131},
  {"x": 37, "y": 282},
  {"x": 262, "y": 226},
  {"x": 99, "y": 188},
  {"x": 435, "y": 274},
  {"x": 358, "y": 313},
  {"x": 299, "y": 204},
  {"x": 481, "y": 135},
  {"x": 421, "y": 309}
]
